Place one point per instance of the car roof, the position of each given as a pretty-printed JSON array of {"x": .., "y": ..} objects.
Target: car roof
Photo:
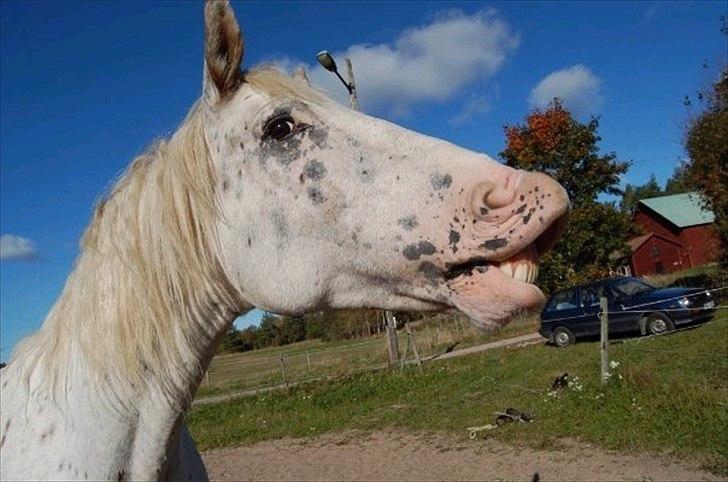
[{"x": 591, "y": 283}]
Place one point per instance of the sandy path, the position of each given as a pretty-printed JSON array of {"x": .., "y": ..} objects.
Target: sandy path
[{"x": 395, "y": 455}]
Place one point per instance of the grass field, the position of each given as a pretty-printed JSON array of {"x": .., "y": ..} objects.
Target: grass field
[
  {"x": 668, "y": 394},
  {"x": 315, "y": 359}
]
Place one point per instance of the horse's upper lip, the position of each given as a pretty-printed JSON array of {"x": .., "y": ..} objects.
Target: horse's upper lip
[{"x": 543, "y": 243}]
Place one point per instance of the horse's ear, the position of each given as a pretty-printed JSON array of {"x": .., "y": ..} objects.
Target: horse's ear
[
  {"x": 223, "y": 50},
  {"x": 300, "y": 74}
]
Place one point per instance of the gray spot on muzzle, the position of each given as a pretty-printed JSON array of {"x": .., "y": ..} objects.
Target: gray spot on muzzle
[
  {"x": 495, "y": 243},
  {"x": 440, "y": 181},
  {"x": 415, "y": 250},
  {"x": 408, "y": 223},
  {"x": 430, "y": 271}
]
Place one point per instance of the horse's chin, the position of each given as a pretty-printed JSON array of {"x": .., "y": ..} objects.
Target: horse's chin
[{"x": 490, "y": 294}]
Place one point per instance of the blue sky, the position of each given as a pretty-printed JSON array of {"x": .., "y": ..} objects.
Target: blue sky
[{"x": 86, "y": 86}]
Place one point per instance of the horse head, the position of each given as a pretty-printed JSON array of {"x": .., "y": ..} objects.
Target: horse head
[{"x": 325, "y": 207}]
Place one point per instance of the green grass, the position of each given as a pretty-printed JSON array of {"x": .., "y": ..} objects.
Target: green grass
[
  {"x": 672, "y": 398},
  {"x": 262, "y": 368}
]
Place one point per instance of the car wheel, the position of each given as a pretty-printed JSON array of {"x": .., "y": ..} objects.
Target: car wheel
[
  {"x": 657, "y": 323},
  {"x": 563, "y": 336}
]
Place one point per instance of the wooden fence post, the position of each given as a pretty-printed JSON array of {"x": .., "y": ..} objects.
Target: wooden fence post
[
  {"x": 392, "y": 345},
  {"x": 604, "y": 338},
  {"x": 283, "y": 369},
  {"x": 414, "y": 345}
]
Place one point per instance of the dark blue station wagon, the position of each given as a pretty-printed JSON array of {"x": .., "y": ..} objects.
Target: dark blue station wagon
[{"x": 634, "y": 306}]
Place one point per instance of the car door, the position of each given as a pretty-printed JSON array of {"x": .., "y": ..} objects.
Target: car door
[
  {"x": 564, "y": 310},
  {"x": 590, "y": 306},
  {"x": 618, "y": 321}
]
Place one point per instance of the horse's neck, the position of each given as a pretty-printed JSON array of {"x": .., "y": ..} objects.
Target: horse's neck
[{"x": 137, "y": 431}]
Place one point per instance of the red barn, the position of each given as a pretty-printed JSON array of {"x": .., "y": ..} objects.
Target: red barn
[{"x": 679, "y": 234}]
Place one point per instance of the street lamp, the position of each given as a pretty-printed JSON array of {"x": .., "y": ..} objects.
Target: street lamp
[{"x": 328, "y": 63}]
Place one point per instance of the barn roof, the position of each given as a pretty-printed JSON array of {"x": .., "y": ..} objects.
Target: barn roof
[{"x": 682, "y": 210}]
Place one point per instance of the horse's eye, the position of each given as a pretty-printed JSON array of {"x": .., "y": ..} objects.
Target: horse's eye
[{"x": 279, "y": 128}]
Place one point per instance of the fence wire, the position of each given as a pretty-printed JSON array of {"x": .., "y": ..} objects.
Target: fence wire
[{"x": 250, "y": 374}]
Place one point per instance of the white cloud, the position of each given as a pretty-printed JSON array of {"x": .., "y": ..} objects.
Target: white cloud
[
  {"x": 16, "y": 247},
  {"x": 576, "y": 86},
  {"x": 433, "y": 62},
  {"x": 476, "y": 106}
]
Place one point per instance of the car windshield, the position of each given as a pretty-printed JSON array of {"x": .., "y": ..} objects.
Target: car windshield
[{"x": 632, "y": 286}]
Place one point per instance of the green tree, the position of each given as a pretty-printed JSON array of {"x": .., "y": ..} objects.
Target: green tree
[
  {"x": 552, "y": 141},
  {"x": 679, "y": 182},
  {"x": 706, "y": 143},
  {"x": 633, "y": 194}
]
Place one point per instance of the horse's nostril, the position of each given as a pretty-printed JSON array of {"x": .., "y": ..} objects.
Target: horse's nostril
[
  {"x": 499, "y": 197},
  {"x": 488, "y": 196}
]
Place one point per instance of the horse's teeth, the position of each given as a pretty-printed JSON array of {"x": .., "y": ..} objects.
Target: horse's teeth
[
  {"x": 521, "y": 272},
  {"x": 524, "y": 271}
]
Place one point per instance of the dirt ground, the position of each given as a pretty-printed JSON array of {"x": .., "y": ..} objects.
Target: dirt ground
[{"x": 395, "y": 455}]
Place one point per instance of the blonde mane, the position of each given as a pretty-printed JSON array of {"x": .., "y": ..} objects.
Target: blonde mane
[
  {"x": 148, "y": 274},
  {"x": 148, "y": 289}
]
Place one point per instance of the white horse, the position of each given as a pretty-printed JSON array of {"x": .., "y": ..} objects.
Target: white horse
[{"x": 268, "y": 195}]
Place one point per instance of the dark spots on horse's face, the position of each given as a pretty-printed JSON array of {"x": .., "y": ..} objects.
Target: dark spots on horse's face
[
  {"x": 249, "y": 242},
  {"x": 527, "y": 217},
  {"x": 240, "y": 173},
  {"x": 535, "y": 188},
  {"x": 315, "y": 195},
  {"x": 318, "y": 135},
  {"x": 284, "y": 152},
  {"x": 440, "y": 181},
  {"x": 242, "y": 146},
  {"x": 415, "y": 250},
  {"x": 408, "y": 223},
  {"x": 454, "y": 238},
  {"x": 520, "y": 209},
  {"x": 366, "y": 176},
  {"x": 47, "y": 434},
  {"x": 495, "y": 243},
  {"x": 484, "y": 211},
  {"x": 225, "y": 185},
  {"x": 522, "y": 197},
  {"x": 314, "y": 170},
  {"x": 280, "y": 223},
  {"x": 367, "y": 245},
  {"x": 430, "y": 271}
]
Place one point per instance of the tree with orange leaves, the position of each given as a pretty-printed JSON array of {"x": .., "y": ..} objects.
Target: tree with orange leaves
[{"x": 550, "y": 140}]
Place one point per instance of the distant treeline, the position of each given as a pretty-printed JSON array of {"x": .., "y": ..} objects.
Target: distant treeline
[{"x": 275, "y": 330}]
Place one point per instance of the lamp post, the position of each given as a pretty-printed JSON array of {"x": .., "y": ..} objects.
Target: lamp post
[{"x": 328, "y": 63}]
